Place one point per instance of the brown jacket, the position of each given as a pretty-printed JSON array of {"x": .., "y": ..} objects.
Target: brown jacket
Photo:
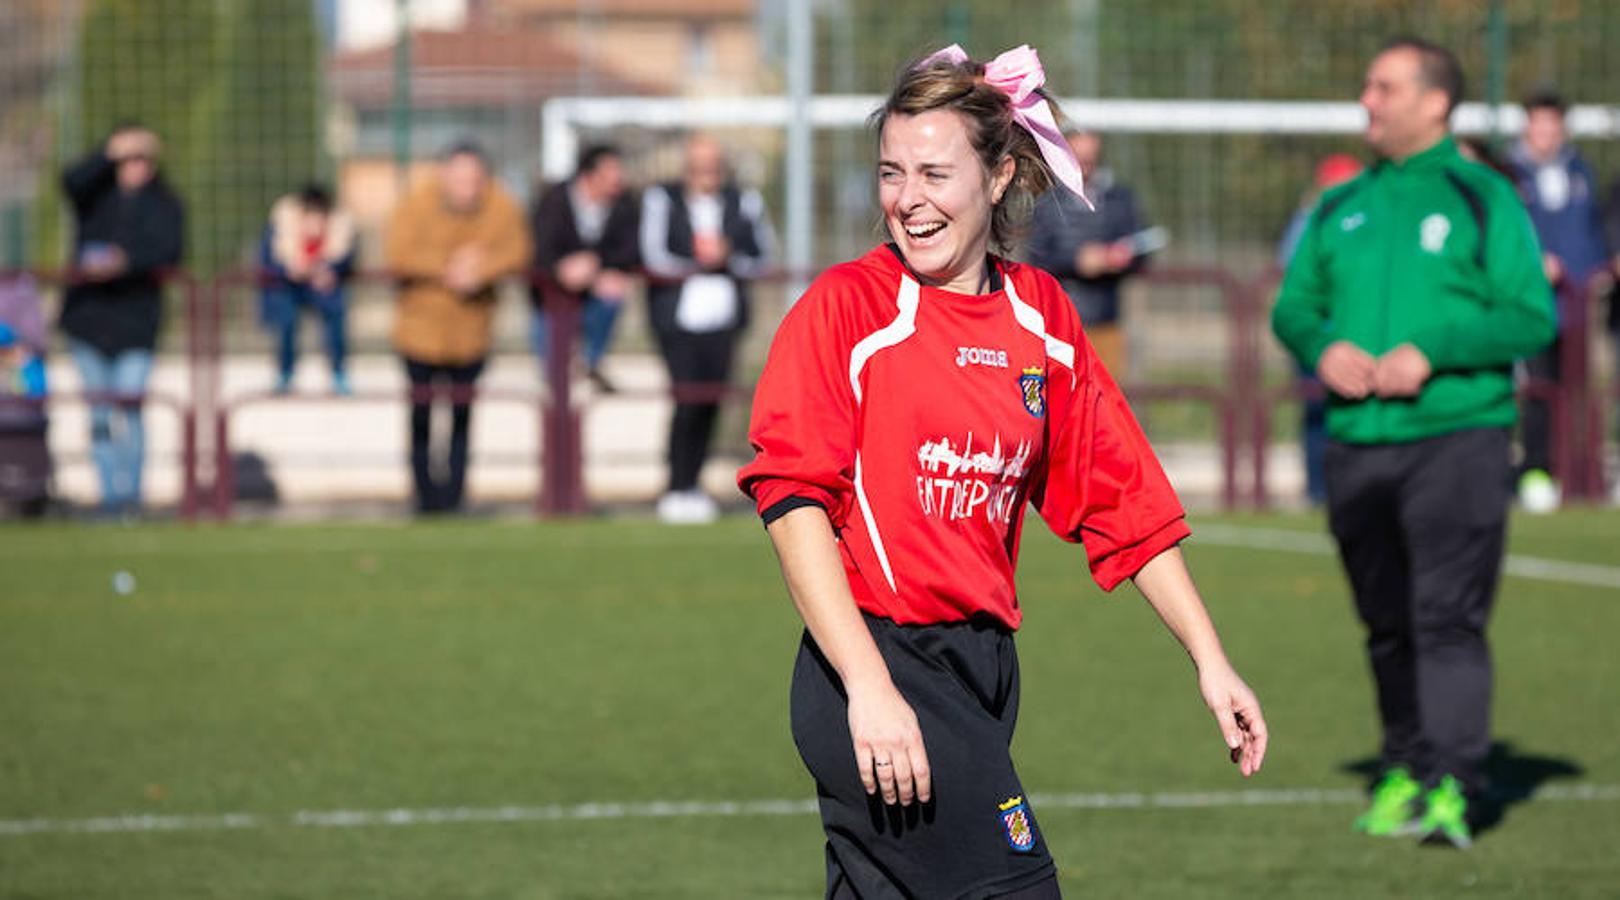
[{"x": 434, "y": 324}]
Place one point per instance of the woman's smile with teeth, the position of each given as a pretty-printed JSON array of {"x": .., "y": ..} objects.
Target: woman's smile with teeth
[{"x": 925, "y": 229}]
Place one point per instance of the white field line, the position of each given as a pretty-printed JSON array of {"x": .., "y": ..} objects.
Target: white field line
[
  {"x": 352, "y": 818},
  {"x": 1532, "y": 567}
]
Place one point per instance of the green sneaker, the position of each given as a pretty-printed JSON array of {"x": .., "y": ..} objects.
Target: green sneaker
[
  {"x": 1392, "y": 807},
  {"x": 1445, "y": 816}
]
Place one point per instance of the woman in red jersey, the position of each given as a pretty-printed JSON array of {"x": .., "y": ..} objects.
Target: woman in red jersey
[{"x": 914, "y": 401}]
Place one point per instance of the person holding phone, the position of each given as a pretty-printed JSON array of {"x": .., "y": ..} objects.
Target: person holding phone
[
  {"x": 1092, "y": 253},
  {"x": 130, "y": 227}
]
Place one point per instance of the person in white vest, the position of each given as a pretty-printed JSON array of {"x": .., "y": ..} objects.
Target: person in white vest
[{"x": 702, "y": 239}]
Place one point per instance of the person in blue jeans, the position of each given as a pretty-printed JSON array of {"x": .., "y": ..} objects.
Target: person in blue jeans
[
  {"x": 129, "y": 230},
  {"x": 586, "y": 239},
  {"x": 308, "y": 253}
]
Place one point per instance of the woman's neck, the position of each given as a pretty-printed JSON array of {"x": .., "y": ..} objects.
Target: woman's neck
[{"x": 972, "y": 281}]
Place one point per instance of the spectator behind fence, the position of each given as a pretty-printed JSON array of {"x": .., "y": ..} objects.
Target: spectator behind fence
[
  {"x": 585, "y": 239},
  {"x": 449, "y": 242},
  {"x": 130, "y": 227},
  {"x": 1611, "y": 230},
  {"x": 1090, "y": 252},
  {"x": 308, "y": 253},
  {"x": 702, "y": 239},
  {"x": 1414, "y": 288},
  {"x": 1332, "y": 171},
  {"x": 1558, "y": 188},
  {"x": 25, "y": 461}
]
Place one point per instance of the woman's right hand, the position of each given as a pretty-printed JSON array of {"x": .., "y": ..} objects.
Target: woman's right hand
[{"x": 888, "y": 744}]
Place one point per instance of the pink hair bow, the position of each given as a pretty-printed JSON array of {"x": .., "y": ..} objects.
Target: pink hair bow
[{"x": 1018, "y": 74}]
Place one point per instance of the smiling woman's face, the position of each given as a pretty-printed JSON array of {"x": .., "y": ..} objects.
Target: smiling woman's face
[{"x": 937, "y": 197}]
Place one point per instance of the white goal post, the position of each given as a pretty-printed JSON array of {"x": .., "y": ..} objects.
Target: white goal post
[{"x": 563, "y": 118}]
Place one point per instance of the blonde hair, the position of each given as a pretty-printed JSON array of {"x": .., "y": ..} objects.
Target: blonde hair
[{"x": 987, "y": 112}]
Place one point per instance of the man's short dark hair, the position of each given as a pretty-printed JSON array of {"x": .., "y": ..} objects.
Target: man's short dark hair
[
  {"x": 593, "y": 155},
  {"x": 315, "y": 198},
  {"x": 1546, "y": 98},
  {"x": 467, "y": 147},
  {"x": 1438, "y": 67}
]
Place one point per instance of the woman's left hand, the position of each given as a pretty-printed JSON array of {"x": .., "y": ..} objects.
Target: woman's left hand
[{"x": 1237, "y": 711}]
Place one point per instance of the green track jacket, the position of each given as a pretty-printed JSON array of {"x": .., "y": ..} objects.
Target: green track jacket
[{"x": 1433, "y": 250}]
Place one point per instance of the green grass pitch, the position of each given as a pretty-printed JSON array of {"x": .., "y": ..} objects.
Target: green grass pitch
[{"x": 267, "y": 670}]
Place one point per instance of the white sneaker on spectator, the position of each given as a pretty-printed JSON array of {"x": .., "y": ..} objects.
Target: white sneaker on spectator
[{"x": 690, "y": 507}]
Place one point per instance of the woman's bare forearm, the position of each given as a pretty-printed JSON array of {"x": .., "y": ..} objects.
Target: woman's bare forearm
[
  {"x": 1169, "y": 589},
  {"x": 814, "y": 572}
]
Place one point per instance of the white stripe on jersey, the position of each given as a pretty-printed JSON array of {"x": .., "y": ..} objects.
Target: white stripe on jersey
[
  {"x": 1032, "y": 320},
  {"x": 871, "y": 526},
  {"x": 903, "y": 326}
]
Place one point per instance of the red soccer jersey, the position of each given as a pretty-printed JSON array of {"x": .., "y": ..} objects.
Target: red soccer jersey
[{"x": 923, "y": 420}]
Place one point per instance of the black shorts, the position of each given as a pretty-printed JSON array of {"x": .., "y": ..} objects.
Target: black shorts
[{"x": 977, "y": 837}]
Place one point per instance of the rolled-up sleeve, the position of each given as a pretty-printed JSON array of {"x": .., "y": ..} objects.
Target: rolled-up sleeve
[
  {"x": 1103, "y": 486},
  {"x": 803, "y": 427}
]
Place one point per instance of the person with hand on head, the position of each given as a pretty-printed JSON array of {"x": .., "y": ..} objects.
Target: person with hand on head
[
  {"x": 452, "y": 239},
  {"x": 130, "y": 228},
  {"x": 913, "y": 402},
  {"x": 703, "y": 238},
  {"x": 308, "y": 254},
  {"x": 585, "y": 239},
  {"x": 1414, "y": 288}
]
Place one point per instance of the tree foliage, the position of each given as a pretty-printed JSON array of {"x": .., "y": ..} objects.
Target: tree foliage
[{"x": 231, "y": 87}]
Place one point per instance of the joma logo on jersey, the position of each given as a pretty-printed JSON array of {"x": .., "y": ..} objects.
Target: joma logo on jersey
[{"x": 981, "y": 356}]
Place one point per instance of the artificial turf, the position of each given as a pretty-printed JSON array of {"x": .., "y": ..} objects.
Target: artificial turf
[{"x": 272, "y": 669}]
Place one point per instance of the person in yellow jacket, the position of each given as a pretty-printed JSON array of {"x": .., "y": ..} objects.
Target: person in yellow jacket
[{"x": 451, "y": 240}]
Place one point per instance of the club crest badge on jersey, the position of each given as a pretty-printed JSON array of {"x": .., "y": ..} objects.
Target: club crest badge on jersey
[
  {"x": 1032, "y": 384},
  {"x": 1015, "y": 817}
]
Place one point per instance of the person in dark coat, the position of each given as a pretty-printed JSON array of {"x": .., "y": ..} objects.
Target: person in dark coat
[
  {"x": 585, "y": 240},
  {"x": 1090, "y": 252},
  {"x": 129, "y": 230},
  {"x": 1562, "y": 195}
]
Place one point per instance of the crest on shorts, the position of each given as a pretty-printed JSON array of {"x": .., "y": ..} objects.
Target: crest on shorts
[
  {"x": 1032, "y": 385},
  {"x": 1015, "y": 818}
]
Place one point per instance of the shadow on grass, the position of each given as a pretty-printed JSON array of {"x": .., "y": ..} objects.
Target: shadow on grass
[{"x": 1514, "y": 778}]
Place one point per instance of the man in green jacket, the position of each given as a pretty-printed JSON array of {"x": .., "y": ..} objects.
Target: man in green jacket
[{"x": 1414, "y": 288}]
